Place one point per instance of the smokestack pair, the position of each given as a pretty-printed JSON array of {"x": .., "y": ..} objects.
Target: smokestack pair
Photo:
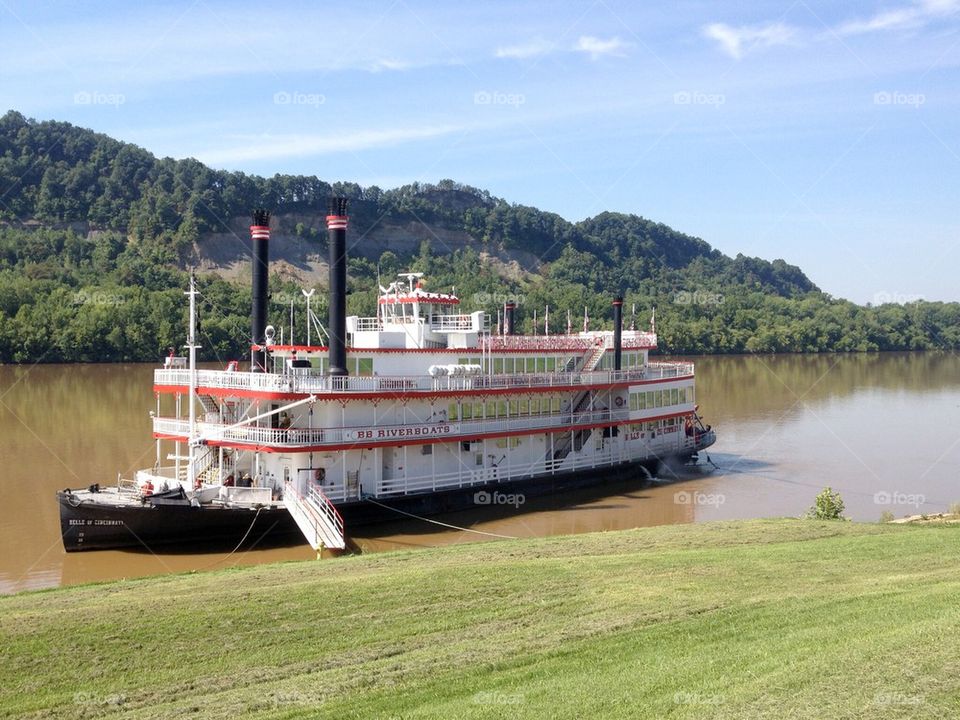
[{"x": 337, "y": 328}]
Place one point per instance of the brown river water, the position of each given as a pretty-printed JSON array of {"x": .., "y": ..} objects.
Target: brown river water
[{"x": 882, "y": 429}]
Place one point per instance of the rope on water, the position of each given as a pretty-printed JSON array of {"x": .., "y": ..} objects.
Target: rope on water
[{"x": 437, "y": 522}]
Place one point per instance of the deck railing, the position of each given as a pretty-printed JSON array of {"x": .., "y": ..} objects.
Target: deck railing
[
  {"x": 316, "y": 384},
  {"x": 410, "y": 430}
]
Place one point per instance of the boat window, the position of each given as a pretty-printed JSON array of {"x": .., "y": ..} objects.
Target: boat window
[
  {"x": 453, "y": 412},
  {"x": 365, "y": 366},
  {"x": 531, "y": 365},
  {"x": 498, "y": 365}
]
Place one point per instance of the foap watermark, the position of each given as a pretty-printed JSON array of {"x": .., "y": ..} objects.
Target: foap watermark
[
  {"x": 97, "y": 700},
  {"x": 899, "y": 498},
  {"x": 895, "y": 97},
  {"x": 698, "y": 498},
  {"x": 898, "y": 699},
  {"x": 695, "y": 97},
  {"x": 495, "y": 697},
  {"x": 498, "y": 498},
  {"x": 497, "y": 298},
  {"x": 900, "y": 298},
  {"x": 83, "y": 297},
  {"x": 495, "y": 97},
  {"x": 285, "y": 97},
  {"x": 695, "y": 698},
  {"x": 87, "y": 97},
  {"x": 697, "y": 297}
]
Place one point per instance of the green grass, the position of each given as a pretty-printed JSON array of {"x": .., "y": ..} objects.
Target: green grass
[{"x": 774, "y": 618}]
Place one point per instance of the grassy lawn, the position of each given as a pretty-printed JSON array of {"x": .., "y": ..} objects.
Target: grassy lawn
[{"x": 772, "y": 618}]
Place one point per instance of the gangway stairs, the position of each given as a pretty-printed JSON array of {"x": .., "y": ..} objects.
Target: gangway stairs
[
  {"x": 572, "y": 441},
  {"x": 591, "y": 361},
  {"x": 316, "y": 516}
]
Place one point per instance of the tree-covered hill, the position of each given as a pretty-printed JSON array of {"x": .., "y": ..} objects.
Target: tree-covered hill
[{"x": 96, "y": 237}]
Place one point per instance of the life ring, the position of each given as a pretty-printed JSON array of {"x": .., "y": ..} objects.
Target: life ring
[{"x": 619, "y": 401}]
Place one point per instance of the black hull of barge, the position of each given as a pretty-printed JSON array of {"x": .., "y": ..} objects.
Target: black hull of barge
[{"x": 98, "y": 526}]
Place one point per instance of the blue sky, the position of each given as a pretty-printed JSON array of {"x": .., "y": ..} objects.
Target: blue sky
[{"x": 823, "y": 133}]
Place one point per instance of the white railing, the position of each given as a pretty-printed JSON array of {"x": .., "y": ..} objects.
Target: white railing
[
  {"x": 316, "y": 517},
  {"x": 470, "y": 477},
  {"x": 453, "y": 322},
  {"x": 414, "y": 429},
  {"x": 369, "y": 324},
  {"x": 314, "y": 384}
]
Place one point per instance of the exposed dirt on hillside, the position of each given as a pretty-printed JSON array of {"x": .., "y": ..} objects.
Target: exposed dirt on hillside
[{"x": 303, "y": 257}]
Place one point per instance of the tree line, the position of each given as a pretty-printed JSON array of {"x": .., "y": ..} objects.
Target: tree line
[{"x": 96, "y": 237}]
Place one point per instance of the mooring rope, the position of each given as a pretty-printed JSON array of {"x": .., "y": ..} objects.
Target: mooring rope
[{"x": 437, "y": 522}]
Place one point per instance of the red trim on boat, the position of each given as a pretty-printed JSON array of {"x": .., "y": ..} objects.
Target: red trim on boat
[{"x": 434, "y": 440}]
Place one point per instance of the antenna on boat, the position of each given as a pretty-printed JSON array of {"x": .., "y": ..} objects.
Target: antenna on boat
[
  {"x": 307, "y": 295},
  {"x": 192, "y": 400}
]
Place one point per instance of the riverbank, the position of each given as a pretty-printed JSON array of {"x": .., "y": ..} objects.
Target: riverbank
[{"x": 768, "y": 618}]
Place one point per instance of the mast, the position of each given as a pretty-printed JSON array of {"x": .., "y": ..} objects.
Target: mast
[{"x": 192, "y": 400}]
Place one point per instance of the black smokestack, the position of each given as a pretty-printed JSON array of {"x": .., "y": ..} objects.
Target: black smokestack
[
  {"x": 260, "y": 240},
  {"x": 617, "y": 333},
  {"x": 509, "y": 328},
  {"x": 337, "y": 327}
]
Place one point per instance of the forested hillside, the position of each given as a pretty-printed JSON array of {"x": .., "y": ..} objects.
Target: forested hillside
[{"x": 97, "y": 236}]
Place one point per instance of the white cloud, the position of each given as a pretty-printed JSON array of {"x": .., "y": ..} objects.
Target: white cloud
[
  {"x": 595, "y": 47},
  {"x": 588, "y": 44},
  {"x": 902, "y": 18},
  {"x": 389, "y": 64},
  {"x": 271, "y": 147},
  {"x": 736, "y": 41},
  {"x": 534, "y": 48}
]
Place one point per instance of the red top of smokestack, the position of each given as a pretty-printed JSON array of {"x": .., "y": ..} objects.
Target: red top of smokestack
[
  {"x": 337, "y": 213},
  {"x": 260, "y": 230}
]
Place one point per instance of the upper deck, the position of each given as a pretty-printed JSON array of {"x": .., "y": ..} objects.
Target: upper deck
[{"x": 304, "y": 382}]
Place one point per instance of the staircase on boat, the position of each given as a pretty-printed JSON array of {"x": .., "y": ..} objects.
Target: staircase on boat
[
  {"x": 316, "y": 516},
  {"x": 572, "y": 440}
]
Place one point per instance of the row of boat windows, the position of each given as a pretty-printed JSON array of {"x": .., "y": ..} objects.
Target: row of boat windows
[
  {"x": 660, "y": 398},
  {"x": 503, "y": 408},
  {"x": 628, "y": 360},
  {"x": 363, "y": 366},
  {"x": 653, "y": 427},
  {"x": 541, "y": 364},
  {"x": 356, "y": 366}
]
